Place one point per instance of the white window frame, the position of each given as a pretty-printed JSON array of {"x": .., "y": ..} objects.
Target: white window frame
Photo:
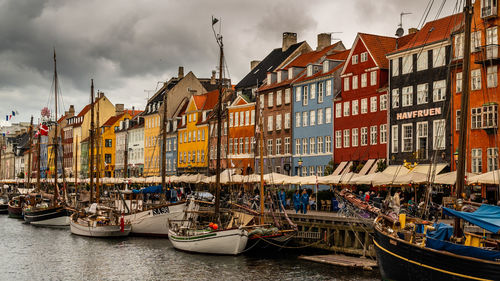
[
  {"x": 355, "y": 82},
  {"x": 298, "y": 119},
  {"x": 355, "y": 107},
  {"x": 347, "y": 138},
  {"x": 338, "y": 139},
  {"x": 373, "y": 104},
  {"x": 346, "y": 83},
  {"x": 395, "y": 67},
  {"x": 354, "y": 137},
  {"x": 328, "y": 144},
  {"x": 364, "y": 136},
  {"x": 347, "y": 108},
  {"x": 373, "y": 78},
  {"x": 320, "y": 116},
  {"x": 279, "y": 97},
  {"x": 475, "y": 76},
  {"x": 422, "y": 60},
  {"x": 439, "y": 91},
  {"x": 395, "y": 139},
  {"x": 407, "y": 138},
  {"x": 422, "y": 93},
  {"x": 338, "y": 110},
  {"x": 328, "y": 115},
  {"x": 492, "y": 76},
  {"x": 364, "y": 80},
  {"x": 364, "y": 106},
  {"x": 373, "y": 135}
]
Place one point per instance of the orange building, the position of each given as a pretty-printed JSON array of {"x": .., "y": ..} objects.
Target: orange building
[{"x": 483, "y": 137}]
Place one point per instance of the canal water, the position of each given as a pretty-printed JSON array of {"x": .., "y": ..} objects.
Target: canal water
[{"x": 36, "y": 253}]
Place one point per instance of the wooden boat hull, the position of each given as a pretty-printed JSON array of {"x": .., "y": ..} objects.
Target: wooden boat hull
[
  {"x": 52, "y": 216},
  {"x": 15, "y": 212},
  {"x": 154, "y": 222},
  {"x": 4, "y": 209},
  {"x": 400, "y": 260},
  {"x": 99, "y": 231},
  {"x": 223, "y": 242}
]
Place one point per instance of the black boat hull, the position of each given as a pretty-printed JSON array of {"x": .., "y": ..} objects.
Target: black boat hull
[
  {"x": 399, "y": 260},
  {"x": 4, "y": 209},
  {"x": 53, "y": 216},
  {"x": 15, "y": 212}
]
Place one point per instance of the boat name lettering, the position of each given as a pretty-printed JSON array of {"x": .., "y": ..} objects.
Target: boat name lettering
[
  {"x": 418, "y": 113},
  {"x": 159, "y": 211}
]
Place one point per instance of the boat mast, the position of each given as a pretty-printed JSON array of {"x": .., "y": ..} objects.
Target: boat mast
[
  {"x": 98, "y": 152},
  {"x": 56, "y": 193},
  {"x": 464, "y": 109},
  {"x": 91, "y": 168},
  {"x": 31, "y": 150},
  {"x": 76, "y": 165},
  {"x": 219, "y": 121},
  {"x": 39, "y": 139},
  {"x": 164, "y": 146},
  {"x": 261, "y": 152}
]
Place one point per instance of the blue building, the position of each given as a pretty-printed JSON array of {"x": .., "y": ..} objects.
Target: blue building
[{"x": 313, "y": 95}]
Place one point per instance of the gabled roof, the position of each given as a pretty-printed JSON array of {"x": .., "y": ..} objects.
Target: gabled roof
[
  {"x": 319, "y": 74},
  {"x": 112, "y": 120},
  {"x": 241, "y": 100},
  {"x": 87, "y": 108},
  {"x": 269, "y": 63},
  {"x": 433, "y": 32}
]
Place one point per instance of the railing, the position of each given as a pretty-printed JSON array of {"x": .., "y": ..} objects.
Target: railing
[
  {"x": 487, "y": 54},
  {"x": 489, "y": 11}
]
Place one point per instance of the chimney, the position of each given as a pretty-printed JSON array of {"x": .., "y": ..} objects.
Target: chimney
[
  {"x": 289, "y": 38},
  {"x": 119, "y": 108},
  {"x": 71, "y": 111},
  {"x": 324, "y": 40},
  {"x": 412, "y": 30},
  {"x": 212, "y": 79},
  {"x": 254, "y": 63},
  {"x": 101, "y": 94},
  {"x": 133, "y": 111},
  {"x": 180, "y": 74}
]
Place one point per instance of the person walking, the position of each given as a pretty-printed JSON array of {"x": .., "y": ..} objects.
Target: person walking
[
  {"x": 296, "y": 201},
  {"x": 305, "y": 201},
  {"x": 282, "y": 197}
]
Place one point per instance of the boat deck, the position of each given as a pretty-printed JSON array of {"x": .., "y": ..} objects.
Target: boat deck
[{"x": 344, "y": 261}]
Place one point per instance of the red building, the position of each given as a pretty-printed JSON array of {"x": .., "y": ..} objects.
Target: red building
[{"x": 360, "y": 129}]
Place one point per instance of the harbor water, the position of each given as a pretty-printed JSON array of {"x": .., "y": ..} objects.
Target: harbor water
[{"x": 37, "y": 253}]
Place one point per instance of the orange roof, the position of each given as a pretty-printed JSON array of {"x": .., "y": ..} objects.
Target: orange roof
[
  {"x": 86, "y": 108},
  {"x": 112, "y": 120},
  {"x": 339, "y": 55},
  {"x": 433, "y": 32},
  {"x": 311, "y": 57},
  {"x": 379, "y": 46}
]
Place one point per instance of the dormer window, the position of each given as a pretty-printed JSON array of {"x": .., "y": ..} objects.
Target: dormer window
[
  {"x": 309, "y": 70},
  {"x": 290, "y": 73},
  {"x": 204, "y": 116},
  {"x": 183, "y": 120},
  {"x": 279, "y": 76},
  {"x": 269, "y": 80},
  {"x": 326, "y": 66}
]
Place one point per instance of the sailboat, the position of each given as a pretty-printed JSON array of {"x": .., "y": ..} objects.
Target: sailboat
[
  {"x": 192, "y": 235},
  {"x": 412, "y": 249},
  {"x": 97, "y": 220},
  {"x": 55, "y": 213}
]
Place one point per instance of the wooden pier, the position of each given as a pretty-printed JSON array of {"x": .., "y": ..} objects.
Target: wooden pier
[{"x": 344, "y": 261}]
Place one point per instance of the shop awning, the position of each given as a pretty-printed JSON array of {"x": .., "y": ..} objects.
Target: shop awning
[
  {"x": 366, "y": 168},
  {"x": 492, "y": 177},
  {"x": 339, "y": 169}
]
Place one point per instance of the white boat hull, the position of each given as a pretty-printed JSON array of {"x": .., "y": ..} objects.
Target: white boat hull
[
  {"x": 154, "y": 222},
  {"x": 60, "y": 221},
  {"x": 224, "y": 242},
  {"x": 99, "y": 231}
]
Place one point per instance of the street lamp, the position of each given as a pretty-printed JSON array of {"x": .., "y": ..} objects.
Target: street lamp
[
  {"x": 455, "y": 157},
  {"x": 300, "y": 165}
]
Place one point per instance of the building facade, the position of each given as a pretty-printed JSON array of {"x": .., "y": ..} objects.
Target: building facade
[{"x": 135, "y": 148}]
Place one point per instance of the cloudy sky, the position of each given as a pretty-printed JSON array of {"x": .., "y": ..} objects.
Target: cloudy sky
[{"x": 127, "y": 47}]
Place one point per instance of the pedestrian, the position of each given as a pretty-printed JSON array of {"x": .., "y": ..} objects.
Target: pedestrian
[
  {"x": 282, "y": 197},
  {"x": 396, "y": 202},
  {"x": 367, "y": 197},
  {"x": 173, "y": 195},
  {"x": 304, "y": 198},
  {"x": 296, "y": 201}
]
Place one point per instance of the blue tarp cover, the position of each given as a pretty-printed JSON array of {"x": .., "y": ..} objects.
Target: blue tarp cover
[
  {"x": 486, "y": 217},
  {"x": 443, "y": 232},
  {"x": 149, "y": 189},
  {"x": 468, "y": 251}
]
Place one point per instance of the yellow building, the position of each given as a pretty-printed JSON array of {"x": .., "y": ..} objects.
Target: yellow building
[{"x": 193, "y": 134}]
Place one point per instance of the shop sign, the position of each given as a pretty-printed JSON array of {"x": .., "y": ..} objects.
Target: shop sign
[{"x": 418, "y": 113}]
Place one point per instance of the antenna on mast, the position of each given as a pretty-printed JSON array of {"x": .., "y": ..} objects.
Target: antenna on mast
[{"x": 400, "y": 31}]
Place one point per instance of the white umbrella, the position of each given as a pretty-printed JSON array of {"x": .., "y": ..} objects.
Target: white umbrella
[{"x": 492, "y": 177}]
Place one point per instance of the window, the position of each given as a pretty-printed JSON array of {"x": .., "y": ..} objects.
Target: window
[
  {"x": 407, "y": 64},
  {"x": 355, "y": 82},
  {"x": 287, "y": 145},
  {"x": 492, "y": 43},
  {"x": 355, "y": 107},
  {"x": 476, "y": 118},
  {"x": 107, "y": 158},
  {"x": 278, "y": 122},
  {"x": 298, "y": 118},
  {"x": 364, "y": 136},
  {"x": 373, "y": 104},
  {"x": 354, "y": 137},
  {"x": 319, "y": 171},
  {"x": 297, "y": 146},
  {"x": 305, "y": 96},
  {"x": 312, "y": 145},
  {"x": 298, "y": 93},
  {"x": 189, "y": 117},
  {"x": 492, "y": 154},
  {"x": 364, "y": 56},
  {"x": 364, "y": 106},
  {"x": 108, "y": 143},
  {"x": 305, "y": 123},
  {"x": 477, "y": 160},
  {"x": 312, "y": 117},
  {"x": 329, "y": 87},
  {"x": 304, "y": 171},
  {"x": 320, "y": 92},
  {"x": 490, "y": 116},
  {"x": 457, "y": 120},
  {"x": 311, "y": 171},
  {"x": 278, "y": 98},
  {"x": 309, "y": 70},
  {"x": 269, "y": 147},
  {"x": 287, "y": 120},
  {"x": 459, "y": 46},
  {"x": 287, "y": 96},
  {"x": 304, "y": 145},
  {"x": 364, "y": 80},
  {"x": 246, "y": 145},
  {"x": 383, "y": 102},
  {"x": 422, "y": 61},
  {"x": 252, "y": 144},
  {"x": 395, "y": 67},
  {"x": 326, "y": 66},
  {"x": 235, "y": 145},
  {"x": 395, "y": 98},
  {"x": 202, "y": 135},
  {"x": 346, "y": 84},
  {"x": 247, "y": 117},
  {"x": 491, "y": 77},
  {"x": 278, "y": 146},
  {"x": 338, "y": 139},
  {"x": 422, "y": 93},
  {"x": 421, "y": 142},
  {"x": 346, "y": 108},
  {"x": 270, "y": 99},
  {"x": 236, "y": 119},
  {"x": 355, "y": 59},
  {"x": 328, "y": 144},
  {"x": 407, "y": 138},
  {"x": 320, "y": 145},
  {"x": 313, "y": 91},
  {"x": 373, "y": 135},
  {"x": 439, "y": 57},
  {"x": 338, "y": 110},
  {"x": 347, "y": 138},
  {"x": 458, "y": 86},
  {"x": 475, "y": 79},
  {"x": 270, "y": 123},
  {"x": 439, "y": 91},
  {"x": 328, "y": 115},
  {"x": 383, "y": 133},
  {"x": 373, "y": 78},
  {"x": 252, "y": 117},
  {"x": 394, "y": 139},
  {"x": 475, "y": 44},
  {"x": 408, "y": 96}
]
